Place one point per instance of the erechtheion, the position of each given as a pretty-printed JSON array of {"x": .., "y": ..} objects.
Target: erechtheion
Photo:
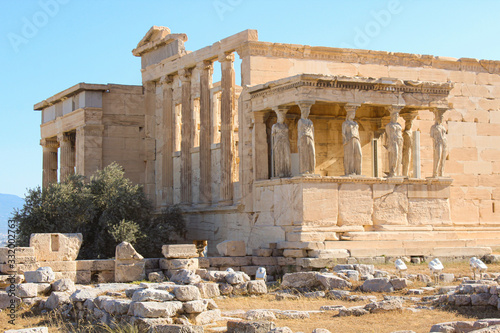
[{"x": 422, "y": 137}]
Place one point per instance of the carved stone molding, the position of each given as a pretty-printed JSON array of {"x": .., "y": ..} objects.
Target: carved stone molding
[
  {"x": 393, "y": 86},
  {"x": 49, "y": 143}
]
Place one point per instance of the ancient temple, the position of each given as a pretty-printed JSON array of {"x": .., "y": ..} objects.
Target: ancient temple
[{"x": 316, "y": 149}]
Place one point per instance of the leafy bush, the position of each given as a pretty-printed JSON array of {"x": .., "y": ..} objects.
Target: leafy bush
[
  {"x": 125, "y": 231},
  {"x": 107, "y": 210}
]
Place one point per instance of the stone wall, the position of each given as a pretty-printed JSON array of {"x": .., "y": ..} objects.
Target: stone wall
[
  {"x": 90, "y": 126},
  {"x": 123, "y": 120},
  {"x": 473, "y": 123}
]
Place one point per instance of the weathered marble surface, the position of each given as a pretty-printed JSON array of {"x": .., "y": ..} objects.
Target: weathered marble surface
[{"x": 352, "y": 146}]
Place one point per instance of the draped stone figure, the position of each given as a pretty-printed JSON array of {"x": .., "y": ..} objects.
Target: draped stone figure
[
  {"x": 407, "y": 146},
  {"x": 281, "y": 147},
  {"x": 438, "y": 135},
  {"x": 352, "y": 145},
  {"x": 394, "y": 144},
  {"x": 307, "y": 154}
]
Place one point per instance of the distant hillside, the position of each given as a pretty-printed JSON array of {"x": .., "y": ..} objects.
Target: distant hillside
[{"x": 7, "y": 204}]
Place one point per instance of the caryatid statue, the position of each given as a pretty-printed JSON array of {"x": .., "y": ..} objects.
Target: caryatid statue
[
  {"x": 281, "y": 145},
  {"x": 438, "y": 135},
  {"x": 351, "y": 141},
  {"x": 408, "y": 144},
  {"x": 305, "y": 144},
  {"x": 394, "y": 145}
]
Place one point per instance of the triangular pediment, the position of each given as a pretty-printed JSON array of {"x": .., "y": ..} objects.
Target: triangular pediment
[{"x": 154, "y": 34}]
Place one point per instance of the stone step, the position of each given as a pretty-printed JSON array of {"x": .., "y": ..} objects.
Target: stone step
[
  {"x": 394, "y": 244},
  {"x": 422, "y": 235},
  {"x": 420, "y": 251}
]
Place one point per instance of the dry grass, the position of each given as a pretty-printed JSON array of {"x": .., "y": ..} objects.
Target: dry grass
[
  {"x": 25, "y": 317},
  {"x": 382, "y": 322},
  {"x": 32, "y": 317}
]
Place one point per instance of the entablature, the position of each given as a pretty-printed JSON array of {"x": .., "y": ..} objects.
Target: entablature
[{"x": 378, "y": 92}]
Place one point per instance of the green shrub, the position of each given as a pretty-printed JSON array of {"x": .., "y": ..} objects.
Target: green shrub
[{"x": 107, "y": 210}]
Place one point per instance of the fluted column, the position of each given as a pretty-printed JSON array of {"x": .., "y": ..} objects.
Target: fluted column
[
  {"x": 186, "y": 138},
  {"x": 150, "y": 139},
  {"x": 227, "y": 128},
  {"x": 66, "y": 143},
  {"x": 49, "y": 161},
  {"x": 205, "y": 133},
  {"x": 168, "y": 144}
]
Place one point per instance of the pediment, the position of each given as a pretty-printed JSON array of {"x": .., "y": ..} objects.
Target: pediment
[{"x": 154, "y": 34}]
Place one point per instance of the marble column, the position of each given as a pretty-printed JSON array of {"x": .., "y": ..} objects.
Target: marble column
[
  {"x": 227, "y": 128},
  {"x": 416, "y": 155},
  {"x": 378, "y": 134},
  {"x": 206, "y": 69},
  {"x": 67, "y": 145},
  {"x": 150, "y": 139},
  {"x": 260, "y": 147},
  {"x": 50, "y": 147},
  {"x": 168, "y": 140},
  {"x": 186, "y": 137}
]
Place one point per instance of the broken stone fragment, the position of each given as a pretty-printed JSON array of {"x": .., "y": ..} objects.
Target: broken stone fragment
[
  {"x": 231, "y": 248},
  {"x": 41, "y": 275}
]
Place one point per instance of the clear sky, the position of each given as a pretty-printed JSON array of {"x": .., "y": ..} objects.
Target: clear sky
[{"x": 47, "y": 46}]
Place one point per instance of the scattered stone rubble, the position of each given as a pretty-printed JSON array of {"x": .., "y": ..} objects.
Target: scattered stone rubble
[
  {"x": 145, "y": 305},
  {"x": 180, "y": 295}
]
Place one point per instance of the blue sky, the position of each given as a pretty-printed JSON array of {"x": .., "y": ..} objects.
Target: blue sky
[{"x": 47, "y": 46}]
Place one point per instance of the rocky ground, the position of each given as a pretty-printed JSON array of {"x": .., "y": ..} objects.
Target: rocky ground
[{"x": 348, "y": 298}]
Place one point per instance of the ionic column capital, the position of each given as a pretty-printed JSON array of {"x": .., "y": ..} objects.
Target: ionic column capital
[
  {"x": 205, "y": 65},
  {"x": 185, "y": 74},
  {"x": 49, "y": 143},
  {"x": 167, "y": 80},
  {"x": 64, "y": 137},
  {"x": 226, "y": 57}
]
